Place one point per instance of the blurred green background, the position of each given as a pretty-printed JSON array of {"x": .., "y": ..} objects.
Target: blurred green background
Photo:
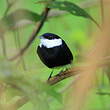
[{"x": 30, "y": 74}]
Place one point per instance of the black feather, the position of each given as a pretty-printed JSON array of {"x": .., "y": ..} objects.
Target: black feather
[{"x": 56, "y": 56}]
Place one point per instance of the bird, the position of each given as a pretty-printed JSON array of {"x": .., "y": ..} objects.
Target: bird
[{"x": 53, "y": 51}]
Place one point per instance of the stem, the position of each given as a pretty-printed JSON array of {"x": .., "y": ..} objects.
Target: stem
[
  {"x": 18, "y": 46},
  {"x": 96, "y": 23},
  {"x": 4, "y": 46},
  {"x": 76, "y": 70},
  {"x": 34, "y": 34},
  {"x": 9, "y": 6},
  {"x": 102, "y": 10},
  {"x": 2, "y": 36}
]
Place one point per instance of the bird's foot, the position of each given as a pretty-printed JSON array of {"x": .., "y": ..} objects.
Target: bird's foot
[
  {"x": 63, "y": 70},
  {"x": 50, "y": 75}
]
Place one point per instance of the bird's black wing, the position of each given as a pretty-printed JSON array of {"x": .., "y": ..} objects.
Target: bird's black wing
[
  {"x": 56, "y": 56},
  {"x": 67, "y": 51}
]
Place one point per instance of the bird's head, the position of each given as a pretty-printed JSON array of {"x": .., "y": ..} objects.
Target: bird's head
[
  {"x": 50, "y": 40},
  {"x": 49, "y": 36}
]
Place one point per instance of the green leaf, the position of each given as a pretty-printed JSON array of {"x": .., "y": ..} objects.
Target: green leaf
[
  {"x": 19, "y": 18},
  {"x": 71, "y": 8}
]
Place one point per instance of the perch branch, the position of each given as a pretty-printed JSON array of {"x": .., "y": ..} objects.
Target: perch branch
[
  {"x": 55, "y": 79},
  {"x": 59, "y": 77},
  {"x": 76, "y": 70}
]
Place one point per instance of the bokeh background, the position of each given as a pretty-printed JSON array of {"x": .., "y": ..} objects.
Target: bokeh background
[{"x": 23, "y": 80}]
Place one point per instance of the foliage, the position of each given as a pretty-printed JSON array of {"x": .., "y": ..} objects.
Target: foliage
[
  {"x": 34, "y": 90},
  {"x": 23, "y": 81},
  {"x": 70, "y": 7}
]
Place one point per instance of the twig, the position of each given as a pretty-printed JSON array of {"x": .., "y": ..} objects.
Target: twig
[
  {"x": 102, "y": 10},
  {"x": 19, "y": 103},
  {"x": 3, "y": 46},
  {"x": 2, "y": 36},
  {"x": 34, "y": 34},
  {"x": 18, "y": 46},
  {"x": 76, "y": 70},
  {"x": 96, "y": 23},
  {"x": 57, "y": 78},
  {"x": 39, "y": 26},
  {"x": 103, "y": 93},
  {"x": 8, "y": 7}
]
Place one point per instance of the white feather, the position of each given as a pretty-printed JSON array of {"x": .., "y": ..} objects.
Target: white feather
[{"x": 50, "y": 43}]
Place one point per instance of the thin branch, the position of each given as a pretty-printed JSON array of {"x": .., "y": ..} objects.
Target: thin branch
[
  {"x": 34, "y": 34},
  {"x": 72, "y": 72},
  {"x": 96, "y": 23},
  {"x": 103, "y": 93},
  {"x": 18, "y": 46},
  {"x": 76, "y": 70},
  {"x": 59, "y": 77},
  {"x": 3, "y": 46},
  {"x": 9, "y": 6},
  {"x": 19, "y": 103},
  {"x": 56, "y": 13},
  {"x": 102, "y": 10},
  {"x": 39, "y": 26}
]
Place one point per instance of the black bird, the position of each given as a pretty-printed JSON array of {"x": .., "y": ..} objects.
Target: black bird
[{"x": 53, "y": 51}]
